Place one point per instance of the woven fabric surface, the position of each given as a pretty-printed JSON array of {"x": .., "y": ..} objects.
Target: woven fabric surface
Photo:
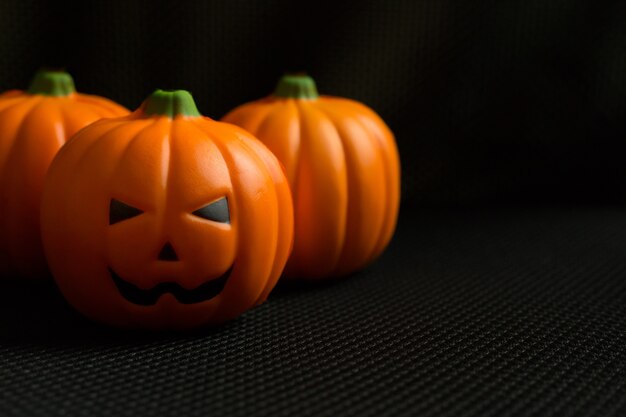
[{"x": 508, "y": 312}]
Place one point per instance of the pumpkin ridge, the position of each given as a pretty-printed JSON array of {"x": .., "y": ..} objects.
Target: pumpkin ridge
[
  {"x": 17, "y": 205},
  {"x": 166, "y": 161},
  {"x": 305, "y": 136},
  {"x": 18, "y": 132},
  {"x": 294, "y": 188},
  {"x": 87, "y": 149},
  {"x": 355, "y": 115},
  {"x": 25, "y": 100},
  {"x": 275, "y": 274},
  {"x": 86, "y": 154},
  {"x": 262, "y": 125},
  {"x": 10, "y": 151},
  {"x": 198, "y": 125},
  {"x": 379, "y": 132},
  {"x": 251, "y": 153},
  {"x": 114, "y": 125},
  {"x": 14, "y": 136},
  {"x": 92, "y": 147},
  {"x": 226, "y": 154},
  {"x": 101, "y": 104},
  {"x": 298, "y": 151},
  {"x": 351, "y": 170},
  {"x": 69, "y": 107},
  {"x": 63, "y": 111},
  {"x": 296, "y": 163},
  {"x": 241, "y": 113},
  {"x": 13, "y": 94},
  {"x": 7, "y": 103}
]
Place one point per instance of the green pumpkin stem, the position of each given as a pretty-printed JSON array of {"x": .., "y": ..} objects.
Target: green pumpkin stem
[
  {"x": 171, "y": 103},
  {"x": 54, "y": 83},
  {"x": 299, "y": 86}
]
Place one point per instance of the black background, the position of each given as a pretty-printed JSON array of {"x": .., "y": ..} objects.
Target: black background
[
  {"x": 491, "y": 102},
  {"x": 479, "y": 307}
]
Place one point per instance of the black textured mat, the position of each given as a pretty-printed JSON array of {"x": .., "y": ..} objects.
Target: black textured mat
[{"x": 512, "y": 312}]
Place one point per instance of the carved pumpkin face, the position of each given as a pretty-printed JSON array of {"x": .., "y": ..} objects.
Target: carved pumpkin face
[{"x": 166, "y": 220}]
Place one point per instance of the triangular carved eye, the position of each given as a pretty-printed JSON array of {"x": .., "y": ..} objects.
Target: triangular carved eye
[
  {"x": 119, "y": 211},
  {"x": 216, "y": 211}
]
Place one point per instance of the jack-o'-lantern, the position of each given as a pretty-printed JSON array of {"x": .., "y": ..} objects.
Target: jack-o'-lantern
[
  {"x": 166, "y": 219},
  {"x": 343, "y": 166},
  {"x": 34, "y": 124}
]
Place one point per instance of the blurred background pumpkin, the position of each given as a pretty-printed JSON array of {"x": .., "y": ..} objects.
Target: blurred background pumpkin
[
  {"x": 343, "y": 167},
  {"x": 34, "y": 124}
]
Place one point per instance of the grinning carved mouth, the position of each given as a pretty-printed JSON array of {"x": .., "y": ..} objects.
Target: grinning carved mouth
[{"x": 150, "y": 296}]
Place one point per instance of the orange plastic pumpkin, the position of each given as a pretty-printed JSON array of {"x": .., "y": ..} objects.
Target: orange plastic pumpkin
[
  {"x": 166, "y": 219},
  {"x": 342, "y": 164},
  {"x": 34, "y": 124}
]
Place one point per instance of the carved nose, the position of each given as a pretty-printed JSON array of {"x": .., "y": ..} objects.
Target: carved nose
[{"x": 168, "y": 253}]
